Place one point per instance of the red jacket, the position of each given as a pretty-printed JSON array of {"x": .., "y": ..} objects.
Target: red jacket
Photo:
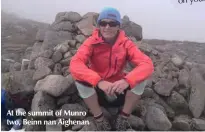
[{"x": 96, "y": 60}]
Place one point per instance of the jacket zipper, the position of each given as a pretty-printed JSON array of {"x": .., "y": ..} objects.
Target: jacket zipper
[{"x": 110, "y": 57}]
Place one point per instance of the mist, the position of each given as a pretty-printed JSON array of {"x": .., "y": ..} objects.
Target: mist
[{"x": 160, "y": 19}]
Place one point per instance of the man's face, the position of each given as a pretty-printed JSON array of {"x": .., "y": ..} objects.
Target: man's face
[{"x": 108, "y": 28}]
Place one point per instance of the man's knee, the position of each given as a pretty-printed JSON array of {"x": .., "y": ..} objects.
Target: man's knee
[
  {"x": 139, "y": 89},
  {"x": 85, "y": 91}
]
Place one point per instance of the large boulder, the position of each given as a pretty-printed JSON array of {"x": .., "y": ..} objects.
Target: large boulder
[
  {"x": 41, "y": 62},
  {"x": 182, "y": 122},
  {"x": 41, "y": 72},
  {"x": 198, "y": 124},
  {"x": 178, "y": 103},
  {"x": 86, "y": 25},
  {"x": 36, "y": 50},
  {"x": 55, "y": 85},
  {"x": 156, "y": 120},
  {"x": 165, "y": 86},
  {"x": 131, "y": 28},
  {"x": 68, "y": 16},
  {"x": 63, "y": 26},
  {"x": 197, "y": 98},
  {"x": 43, "y": 102},
  {"x": 40, "y": 35},
  {"x": 184, "y": 78},
  {"x": 53, "y": 38}
]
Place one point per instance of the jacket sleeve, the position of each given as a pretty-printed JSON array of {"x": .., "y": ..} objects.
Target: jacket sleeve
[
  {"x": 143, "y": 65},
  {"x": 78, "y": 65}
]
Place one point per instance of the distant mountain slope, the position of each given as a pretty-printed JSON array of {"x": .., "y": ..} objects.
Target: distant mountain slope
[{"x": 17, "y": 34}]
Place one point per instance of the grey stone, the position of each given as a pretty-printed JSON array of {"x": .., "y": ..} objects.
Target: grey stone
[
  {"x": 80, "y": 38},
  {"x": 91, "y": 126},
  {"x": 182, "y": 122},
  {"x": 55, "y": 85},
  {"x": 43, "y": 102},
  {"x": 57, "y": 69},
  {"x": 40, "y": 62},
  {"x": 72, "y": 43},
  {"x": 63, "y": 100},
  {"x": 77, "y": 127},
  {"x": 78, "y": 45},
  {"x": 156, "y": 120},
  {"x": 68, "y": 16},
  {"x": 24, "y": 65},
  {"x": 165, "y": 86},
  {"x": 6, "y": 64},
  {"x": 41, "y": 72},
  {"x": 66, "y": 62},
  {"x": 148, "y": 93},
  {"x": 178, "y": 103},
  {"x": 177, "y": 61},
  {"x": 63, "y": 47},
  {"x": 54, "y": 127},
  {"x": 136, "y": 122},
  {"x": 73, "y": 52},
  {"x": 53, "y": 38},
  {"x": 198, "y": 124},
  {"x": 46, "y": 54},
  {"x": 197, "y": 98},
  {"x": 63, "y": 26},
  {"x": 15, "y": 67},
  {"x": 65, "y": 71},
  {"x": 184, "y": 78},
  {"x": 36, "y": 49},
  {"x": 68, "y": 54},
  {"x": 57, "y": 56}
]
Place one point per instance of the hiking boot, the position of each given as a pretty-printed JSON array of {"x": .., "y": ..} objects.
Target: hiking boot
[
  {"x": 103, "y": 125},
  {"x": 121, "y": 123}
]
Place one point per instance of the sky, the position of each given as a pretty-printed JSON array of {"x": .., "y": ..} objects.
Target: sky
[{"x": 160, "y": 19}]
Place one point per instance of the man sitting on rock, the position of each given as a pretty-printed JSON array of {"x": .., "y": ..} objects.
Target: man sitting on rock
[{"x": 98, "y": 66}]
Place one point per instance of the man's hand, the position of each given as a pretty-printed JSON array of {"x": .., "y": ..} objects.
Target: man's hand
[
  {"x": 105, "y": 86},
  {"x": 118, "y": 86}
]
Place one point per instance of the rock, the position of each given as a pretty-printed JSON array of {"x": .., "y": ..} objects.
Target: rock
[
  {"x": 72, "y": 90},
  {"x": 170, "y": 112},
  {"x": 182, "y": 122},
  {"x": 43, "y": 102},
  {"x": 184, "y": 78},
  {"x": 148, "y": 93},
  {"x": 57, "y": 56},
  {"x": 27, "y": 53},
  {"x": 80, "y": 38},
  {"x": 197, "y": 98},
  {"x": 198, "y": 124},
  {"x": 40, "y": 35},
  {"x": 72, "y": 43},
  {"x": 164, "y": 87},
  {"x": 63, "y": 100},
  {"x": 54, "y": 127},
  {"x": 24, "y": 65},
  {"x": 68, "y": 16},
  {"x": 177, "y": 61},
  {"x": 132, "y": 29},
  {"x": 21, "y": 82},
  {"x": 63, "y": 26},
  {"x": 31, "y": 64},
  {"x": 156, "y": 120},
  {"x": 36, "y": 49},
  {"x": 68, "y": 54},
  {"x": 35, "y": 128},
  {"x": 53, "y": 38},
  {"x": 106, "y": 113},
  {"x": 178, "y": 103},
  {"x": 77, "y": 127},
  {"x": 86, "y": 25},
  {"x": 40, "y": 62},
  {"x": 136, "y": 122},
  {"x": 41, "y": 72},
  {"x": 78, "y": 45},
  {"x": 63, "y": 47},
  {"x": 77, "y": 112},
  {"x": 55, "y": 85},
  {"x": 57, "y": 69},
  {"x": 6, "y": 64},
  {"x": 73, "y": 52},
  {"x": 65, "y": 71},
  {"x": 46, "y": 54},
  {"x": 66, "y": 62},
  {"x": 184, "y": 92},
  {"x": 15, "y": 67}
]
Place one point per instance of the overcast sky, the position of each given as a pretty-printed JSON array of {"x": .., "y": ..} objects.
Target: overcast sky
[{"x": 160, "y": 19}]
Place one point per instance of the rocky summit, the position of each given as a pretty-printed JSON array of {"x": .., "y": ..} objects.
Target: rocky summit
[{"x": 173, "y": 98}]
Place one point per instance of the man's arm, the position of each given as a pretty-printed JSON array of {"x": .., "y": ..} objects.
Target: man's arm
[
  {"x": 78, "y": 65},
  {"x": 143, "y": 65}
]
